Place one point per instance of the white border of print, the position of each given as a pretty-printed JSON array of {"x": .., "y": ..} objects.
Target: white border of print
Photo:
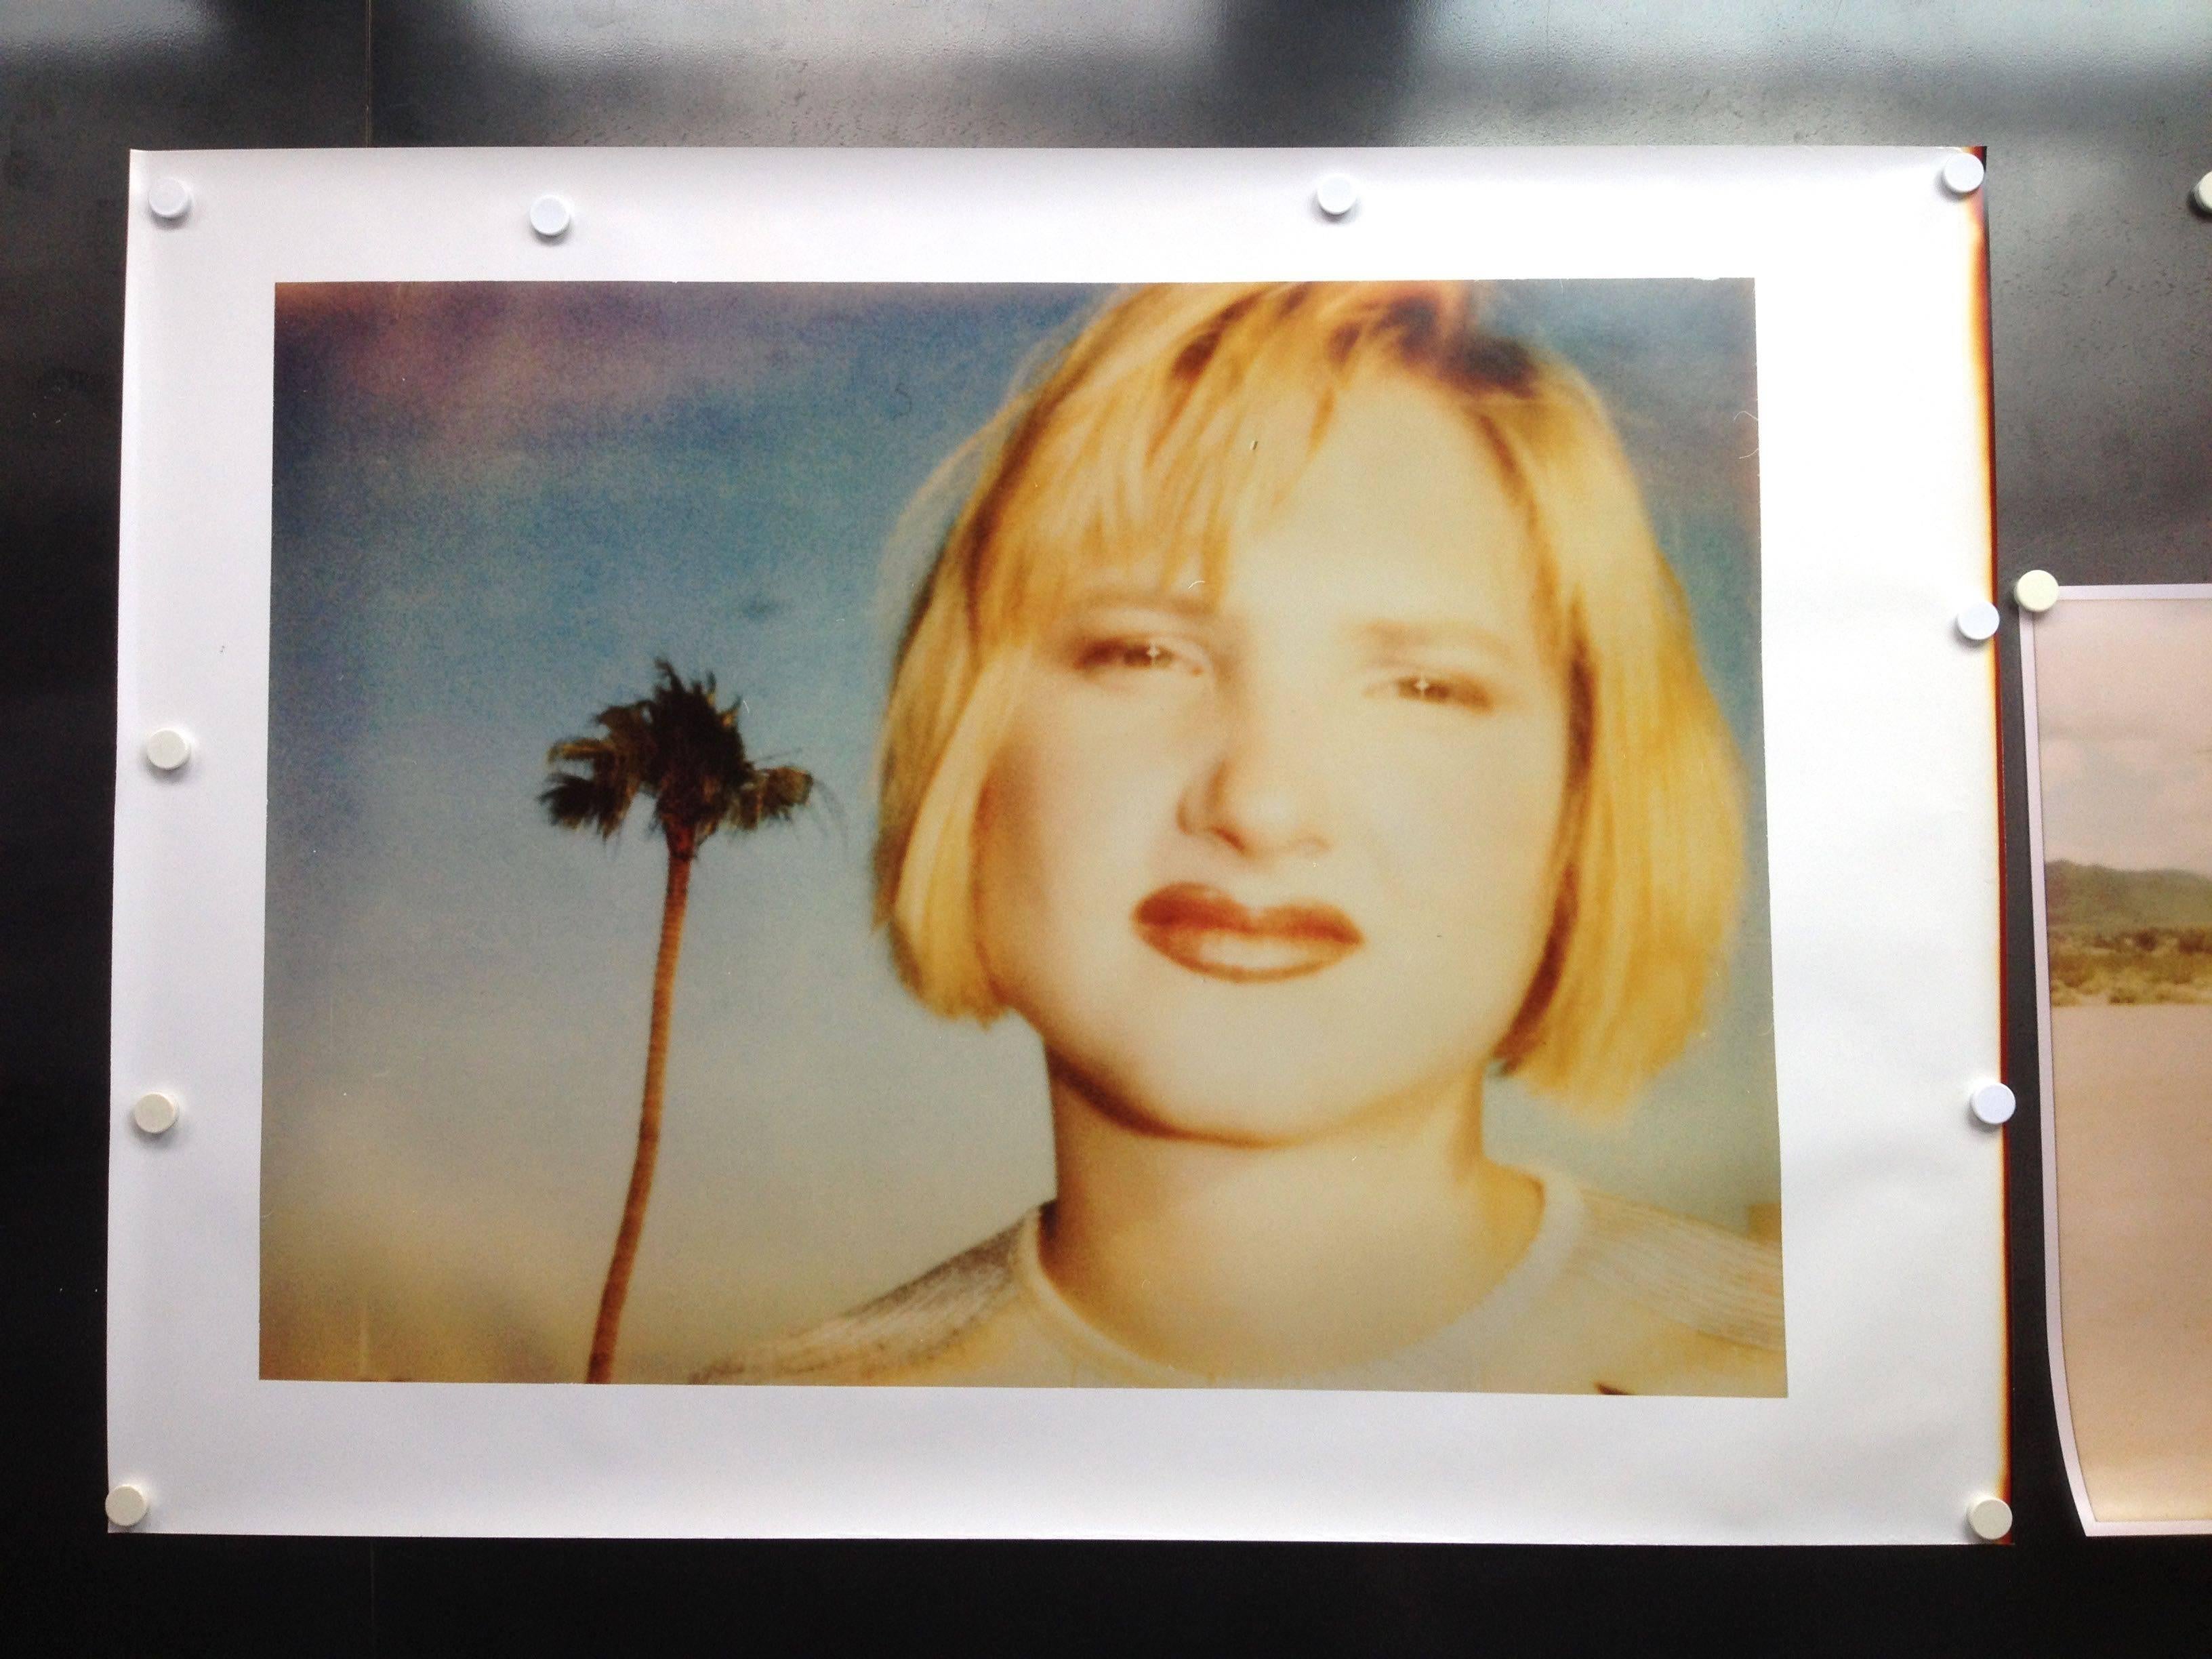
[
  {"x": 1882, "y": 768},
  {"x": 2032, "y": 732}
]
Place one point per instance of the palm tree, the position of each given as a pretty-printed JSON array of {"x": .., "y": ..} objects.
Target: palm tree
[{"x": 681, "y": 747}]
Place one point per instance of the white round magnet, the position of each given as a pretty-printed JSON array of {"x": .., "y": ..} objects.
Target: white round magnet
[
  {"x": 169, "y": 199},
  {"x": 2202, "y": 196},
  {"x": 155, "y": 1112},
  {"x": 1963, "y": 174},
  {"x": 1993, "y": 1104},
  {"x": 1980, "y": 620},
  {"x": 1336, "y": 195},
  {"x": 125, "y": 1506},
  {"x": 2037, "y": 591},
  {"x": 168, "y": 748},
  {"x": 1991, "y": 1518},
  {"x": 551, "y": 218}
]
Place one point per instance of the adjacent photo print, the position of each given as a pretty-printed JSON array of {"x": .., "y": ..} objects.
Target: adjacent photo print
[
  {"x": 1048, "y": 837},
  {"x": 2119, "y": 690}
]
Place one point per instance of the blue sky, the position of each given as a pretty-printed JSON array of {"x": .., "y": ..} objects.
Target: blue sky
[
  {"x": 495, "y": 506},
  {"x": 2123, "y": 712}
]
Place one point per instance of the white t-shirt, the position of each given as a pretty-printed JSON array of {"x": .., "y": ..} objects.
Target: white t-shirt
[{"x": 1610, "y": 1297}]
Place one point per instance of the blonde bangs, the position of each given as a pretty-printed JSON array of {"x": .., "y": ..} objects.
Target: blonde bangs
[{"x": 1155, "y": 449}]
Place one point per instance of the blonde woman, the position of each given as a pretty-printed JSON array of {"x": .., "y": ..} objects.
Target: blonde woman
[{"x": 1299, "y": 725}]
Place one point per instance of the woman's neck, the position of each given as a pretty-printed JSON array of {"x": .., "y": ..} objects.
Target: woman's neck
[{"x": 1281, "y": 1260}]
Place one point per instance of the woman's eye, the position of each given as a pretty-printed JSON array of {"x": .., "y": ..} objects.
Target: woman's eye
[
  {"x": 1443, "y": 689},
  {"x": 1131, "y": 653}
]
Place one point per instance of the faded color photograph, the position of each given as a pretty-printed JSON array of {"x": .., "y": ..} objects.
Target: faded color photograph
[
  {"x": 2122, "y": 699},
  {"x": 1176, "y": 836}
]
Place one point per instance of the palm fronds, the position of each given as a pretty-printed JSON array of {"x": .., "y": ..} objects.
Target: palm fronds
[{"x": 682, "y": 747}]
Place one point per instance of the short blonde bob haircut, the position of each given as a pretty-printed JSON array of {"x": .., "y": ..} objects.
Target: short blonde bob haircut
[{"x": 1155, "y": 440}]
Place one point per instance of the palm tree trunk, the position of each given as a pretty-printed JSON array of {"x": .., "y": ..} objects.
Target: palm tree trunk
[{"x": 617, "y": 1292}]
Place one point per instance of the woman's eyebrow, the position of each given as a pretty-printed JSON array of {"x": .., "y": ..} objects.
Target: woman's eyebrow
[
  {"x": 1183, "y": 600},
  {"x": 1393, "y": 634}
]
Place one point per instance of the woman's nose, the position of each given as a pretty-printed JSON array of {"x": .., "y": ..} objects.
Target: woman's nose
[{"x": 1262, "y": 790}]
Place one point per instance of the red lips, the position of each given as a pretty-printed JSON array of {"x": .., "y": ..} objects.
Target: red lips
[{"x": 1204, "y": 930}]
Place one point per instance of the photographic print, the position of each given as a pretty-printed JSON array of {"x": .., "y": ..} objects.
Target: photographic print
[
  {"x": 1040, "y": 844},
  {"x": 2120, "y": 689},
  {"x": 1030, "y": 835}
]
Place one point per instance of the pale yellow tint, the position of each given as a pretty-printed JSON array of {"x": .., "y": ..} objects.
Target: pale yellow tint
[{"x": 2134, "y": 1094}]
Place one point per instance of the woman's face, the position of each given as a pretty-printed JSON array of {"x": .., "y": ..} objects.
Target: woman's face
[{"x": 1255, "y": 860}]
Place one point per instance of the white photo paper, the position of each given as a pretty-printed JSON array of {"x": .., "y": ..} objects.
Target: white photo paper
[{"x": 1045, "y": 844}]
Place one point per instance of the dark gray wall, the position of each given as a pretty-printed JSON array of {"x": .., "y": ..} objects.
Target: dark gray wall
[{"x": 2097, "y": 120}]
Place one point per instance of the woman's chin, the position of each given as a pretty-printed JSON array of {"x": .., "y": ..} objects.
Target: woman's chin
[
  {"x": 1229, "y": 1121},
  {"x": 1257, "y": 1067},
  {"x": 1241, "y": 1099}
]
